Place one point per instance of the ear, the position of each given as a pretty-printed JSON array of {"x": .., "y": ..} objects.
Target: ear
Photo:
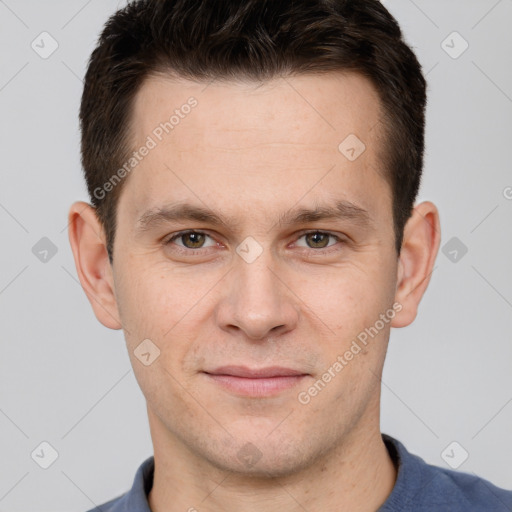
[
  {"x": 87, "y": 239},
  {"x": 422, "y": 236}
]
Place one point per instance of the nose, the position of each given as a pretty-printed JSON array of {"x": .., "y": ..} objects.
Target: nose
[{"x": 257, "y": 300}]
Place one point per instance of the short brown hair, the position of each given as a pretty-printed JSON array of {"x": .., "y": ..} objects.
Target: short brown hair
[{"x": 256, "y": 40}]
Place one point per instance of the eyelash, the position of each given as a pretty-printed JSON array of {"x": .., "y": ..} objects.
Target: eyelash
[{"x": 192, "y": 252}]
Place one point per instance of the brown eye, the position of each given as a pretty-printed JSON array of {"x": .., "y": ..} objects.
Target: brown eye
[
  {"x": 317, "y": 240},
  {"x": 192, "y": 240}
]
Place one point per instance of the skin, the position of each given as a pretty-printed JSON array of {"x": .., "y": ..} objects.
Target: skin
[{"x": 255, "y": 152}]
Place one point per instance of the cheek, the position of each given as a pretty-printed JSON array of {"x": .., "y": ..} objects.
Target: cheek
[
  {"x": 167, "y": 310},
  {"x": 343, "y": 299},
  {"x": 345, "y": 306},
  {"x": 148, "y": 303}
]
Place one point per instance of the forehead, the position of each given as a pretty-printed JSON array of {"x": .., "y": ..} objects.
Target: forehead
[
  {"x": 271, "y": 142},
  {"x": 316, "y": 108}
]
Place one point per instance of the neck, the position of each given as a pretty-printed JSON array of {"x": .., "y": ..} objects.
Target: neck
[{"x": 358, "y": 476}]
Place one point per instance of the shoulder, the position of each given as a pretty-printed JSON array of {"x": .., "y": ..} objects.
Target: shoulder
[
  {"x": 134, "y": 500},
  {"x": 424, "y": 487},
  {"x": 470, "y": 492},
  {"x": 116, "y": 505}
]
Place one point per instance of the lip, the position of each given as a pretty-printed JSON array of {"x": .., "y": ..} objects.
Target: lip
[
  {"x": 255, "y": 382},
  {"x": 255, "y": 373}
]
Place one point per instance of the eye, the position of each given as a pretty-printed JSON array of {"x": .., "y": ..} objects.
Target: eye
[
  {"x": 190, "y": 240},
  {"x": 194, "y": 242},
  {"x": 318, "y": 239}
]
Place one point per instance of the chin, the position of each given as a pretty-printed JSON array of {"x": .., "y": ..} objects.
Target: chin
[{"x": 263, "y": 458}]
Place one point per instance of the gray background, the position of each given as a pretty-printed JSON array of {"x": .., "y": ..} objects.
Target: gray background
[{"x": 67, "y": 380}]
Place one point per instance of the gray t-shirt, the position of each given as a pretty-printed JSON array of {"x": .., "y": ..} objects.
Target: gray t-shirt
[{"x": 419, "y": 487}]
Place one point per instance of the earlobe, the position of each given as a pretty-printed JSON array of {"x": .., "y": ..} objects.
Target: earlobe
[
  {"x": 422, "y": 237},
  {"x": 87, "y": 240}
]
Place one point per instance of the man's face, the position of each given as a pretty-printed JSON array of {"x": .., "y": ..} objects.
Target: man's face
[{"x": 261, "y": 290}]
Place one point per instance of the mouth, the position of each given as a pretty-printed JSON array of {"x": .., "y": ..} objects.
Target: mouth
[{"x": 252, "y": 382}]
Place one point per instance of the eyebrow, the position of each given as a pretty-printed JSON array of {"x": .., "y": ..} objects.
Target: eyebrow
[
  {"x": 341, "y": 210},
  {"x": 180, "y": 212}
]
